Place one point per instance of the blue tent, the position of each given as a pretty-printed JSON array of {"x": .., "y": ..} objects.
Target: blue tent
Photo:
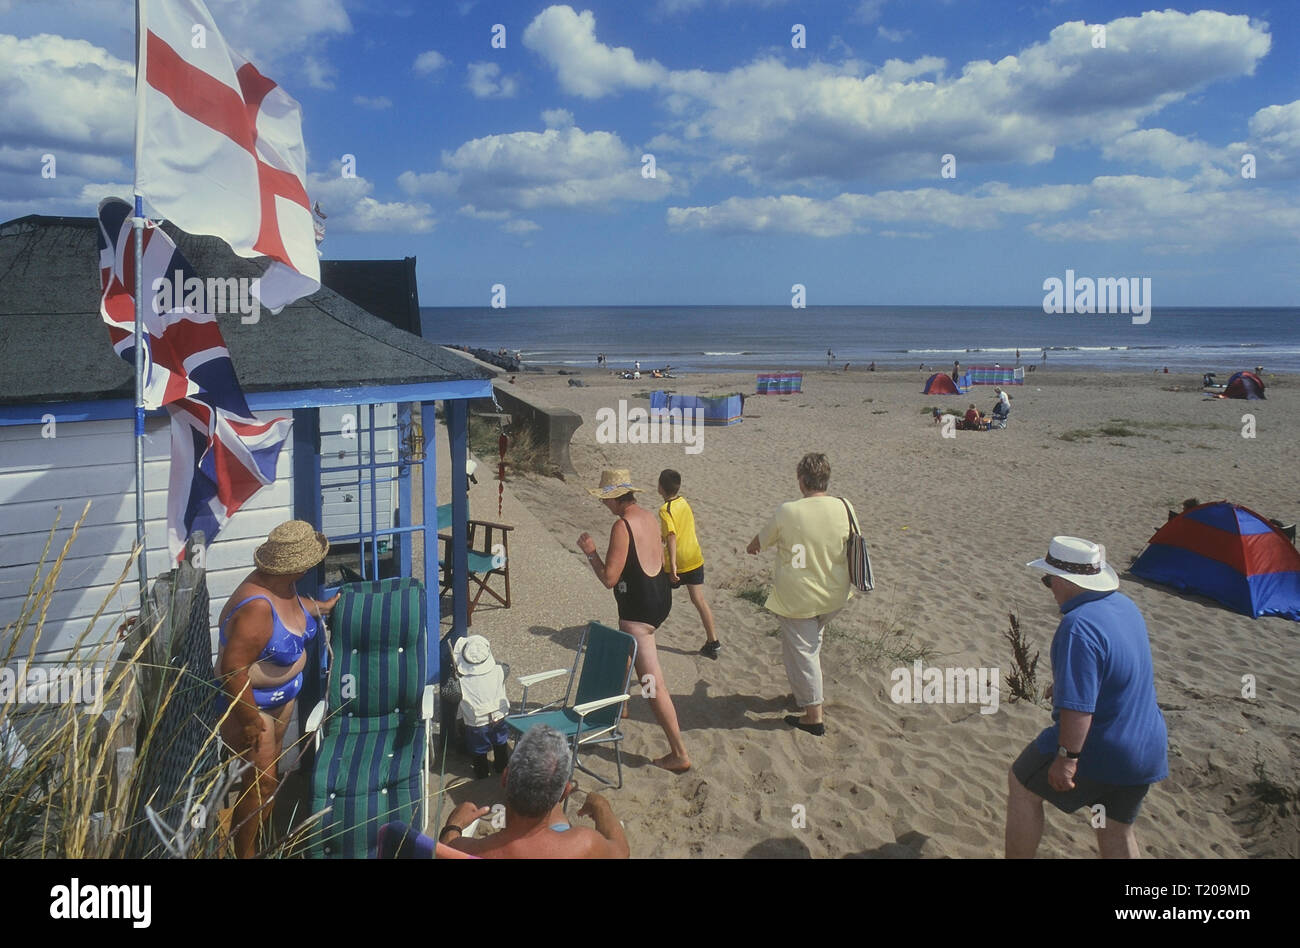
[{"x": 1230, "y": 554}]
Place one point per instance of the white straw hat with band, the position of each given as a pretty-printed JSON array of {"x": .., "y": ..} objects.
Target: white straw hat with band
[{"x": 1080, "y": 561}]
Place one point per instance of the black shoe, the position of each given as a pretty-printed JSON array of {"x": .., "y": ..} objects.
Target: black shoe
[
  {"x": 500, "y": 757},
  {"x": 481, "y": 767},
  {"x": 817, "y": 730},
  {"x": 711, "y": 649}
]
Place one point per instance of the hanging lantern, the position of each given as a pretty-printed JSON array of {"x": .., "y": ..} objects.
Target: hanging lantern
[{"x": 414, "y": 443}]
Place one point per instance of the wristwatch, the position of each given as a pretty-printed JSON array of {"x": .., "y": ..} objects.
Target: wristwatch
[{"x": 1068, "y": 755}]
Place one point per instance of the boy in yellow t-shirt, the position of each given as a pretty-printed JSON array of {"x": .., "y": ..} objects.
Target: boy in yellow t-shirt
[{"x": 683, "y": 559}]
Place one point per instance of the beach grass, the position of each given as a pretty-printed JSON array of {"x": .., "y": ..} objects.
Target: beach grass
[
  {"x": 75, "y": 780},
  {"x": 524, "y": 455}
]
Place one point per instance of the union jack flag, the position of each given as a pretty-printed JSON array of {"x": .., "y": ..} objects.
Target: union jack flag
[{"x": 220, "y": 455}]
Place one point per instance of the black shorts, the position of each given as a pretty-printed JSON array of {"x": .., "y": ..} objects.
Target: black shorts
[
  {"x": 1121, "y": 802},
  {"x": 694, "y": 578}
]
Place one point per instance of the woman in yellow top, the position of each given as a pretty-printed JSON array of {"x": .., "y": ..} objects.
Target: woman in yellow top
[{"x": 812, "y": 581}]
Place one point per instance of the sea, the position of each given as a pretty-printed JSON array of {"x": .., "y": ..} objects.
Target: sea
[{"x": 760, "y": 338}]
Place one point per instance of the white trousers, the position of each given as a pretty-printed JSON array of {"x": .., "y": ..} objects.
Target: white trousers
[{"x": 801, "y": 645}]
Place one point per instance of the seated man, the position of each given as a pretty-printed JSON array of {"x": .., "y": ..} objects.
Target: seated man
[{"x": 536, "y": 782}]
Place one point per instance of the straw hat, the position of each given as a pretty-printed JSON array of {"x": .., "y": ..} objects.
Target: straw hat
[
  {"x": 1080, "y": 561},
  {"x": 473, "y": 656},
  {"x": 613, "y": 484},
  {"x": 292, "y": 547}
]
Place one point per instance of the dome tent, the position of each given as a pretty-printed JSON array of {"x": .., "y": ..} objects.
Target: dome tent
[{"x": 1230, "y": 554}]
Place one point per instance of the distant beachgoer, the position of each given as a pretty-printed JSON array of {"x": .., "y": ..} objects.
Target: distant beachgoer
[
  {"x": 537, "y": 782},
  {"x": 636, "y": 366},
  {"x": 829, "y": 355},
  {"x": 1044, "y": 357},
  {"x": 846, "y": 366},
  {"x": 644, "y": 600},
  {"x": 871, "y": 367},
  {"x": 1017, "y": 357},
  {"x": 683, "y": 558},
  {"x": 937, "y": 414},
  {"x": 812, "y": 581},
  {"x": 1166, "y": 370},
  {"x": 264, "y": 631},
  {"x": 956, "y": 371},
  {"x": 1108, "y": 742}
]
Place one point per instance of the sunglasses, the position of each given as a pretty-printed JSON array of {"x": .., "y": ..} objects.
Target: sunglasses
[{"x": 1047, "y": 580}]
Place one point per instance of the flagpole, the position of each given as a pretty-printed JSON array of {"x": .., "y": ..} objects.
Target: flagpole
[{"x": 137, "y": 224}]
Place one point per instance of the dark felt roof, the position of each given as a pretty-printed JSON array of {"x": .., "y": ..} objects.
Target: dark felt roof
[
  {"x": 54, "y": 345},
  {"x": 385, "y": 288}
]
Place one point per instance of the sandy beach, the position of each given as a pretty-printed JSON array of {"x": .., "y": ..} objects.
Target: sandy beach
[{"x": 951, "y": 523}]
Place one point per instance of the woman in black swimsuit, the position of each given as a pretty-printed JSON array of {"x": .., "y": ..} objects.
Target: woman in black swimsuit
[{"x": 644, "y": 600}]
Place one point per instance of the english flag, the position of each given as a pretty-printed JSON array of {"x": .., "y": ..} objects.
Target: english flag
[
  {"x": 220, "y": 455},
  {"x": 219, "y": 148}
]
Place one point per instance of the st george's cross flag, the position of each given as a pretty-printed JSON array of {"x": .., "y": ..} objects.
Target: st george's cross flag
[
  {"x": 220, "y": 455},
  {"x": 219, "y": 148}
]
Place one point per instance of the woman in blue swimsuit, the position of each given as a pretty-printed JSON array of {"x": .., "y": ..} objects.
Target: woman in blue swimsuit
[
  {"x": 644, "y": 599},
  {"x": 264, "y": 631}
]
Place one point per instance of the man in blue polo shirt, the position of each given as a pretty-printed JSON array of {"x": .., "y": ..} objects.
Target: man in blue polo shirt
[{"x": 1108, "y": 742}]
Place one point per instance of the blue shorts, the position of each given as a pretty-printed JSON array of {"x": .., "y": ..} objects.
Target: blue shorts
[
  {"x": 1121, "y": 802},
  {"x": 482, "y": 739}
]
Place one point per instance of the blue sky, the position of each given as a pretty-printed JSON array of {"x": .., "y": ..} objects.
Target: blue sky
[{"x": 774, "y": 165}]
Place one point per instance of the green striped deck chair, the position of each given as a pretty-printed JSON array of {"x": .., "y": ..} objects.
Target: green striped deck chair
[
  {"x": 373, "y": 739},
  {"x": 606, "y": 656}
]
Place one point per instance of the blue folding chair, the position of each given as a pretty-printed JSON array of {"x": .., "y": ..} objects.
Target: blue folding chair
[{"x": 606, "y": 656}]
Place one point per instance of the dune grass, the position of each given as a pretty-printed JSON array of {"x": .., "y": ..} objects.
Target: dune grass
[{"x": 73, "y": 780}]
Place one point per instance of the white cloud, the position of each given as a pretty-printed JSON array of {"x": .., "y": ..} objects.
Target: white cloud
[
  {"x": 1275, "y": 137},
  {"x": 583, "y": 65},
  {"x": 378, "y": 103},
  {"x": 482, "y": 81},
  {"x": 555, "y": 168},
  {"x": 318, "y": 73},
  {"x": 429, "y": 61},
  {"x": 1165, "y": 215},
  {"x": 868, "y": 11},
  {"x": 557, "y": 118},
  {"x": 981, "y": 209},
  {"x": 65, "y": 95},
  {"x": 520, "y": 225},
  {"x": 351, "y": 209},
  {"x": 827, "y": 122},
  {"x": 893, "y": 36}
]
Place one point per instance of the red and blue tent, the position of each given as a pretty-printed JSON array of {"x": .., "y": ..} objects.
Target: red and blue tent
[
  {"x": 1228, "y": 553},
  {"x": 1244, "y": 385},
  {"x": 941, "y": 384}
]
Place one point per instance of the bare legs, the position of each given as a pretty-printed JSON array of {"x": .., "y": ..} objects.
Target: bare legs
[
  {"x": 1024, "y": 820},
  {"x": 706, "y": 614},
  {"x": 254, "y": 808},
  {"x": 1025, "y": 827},
  {"x": 661, "y": 702}
]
